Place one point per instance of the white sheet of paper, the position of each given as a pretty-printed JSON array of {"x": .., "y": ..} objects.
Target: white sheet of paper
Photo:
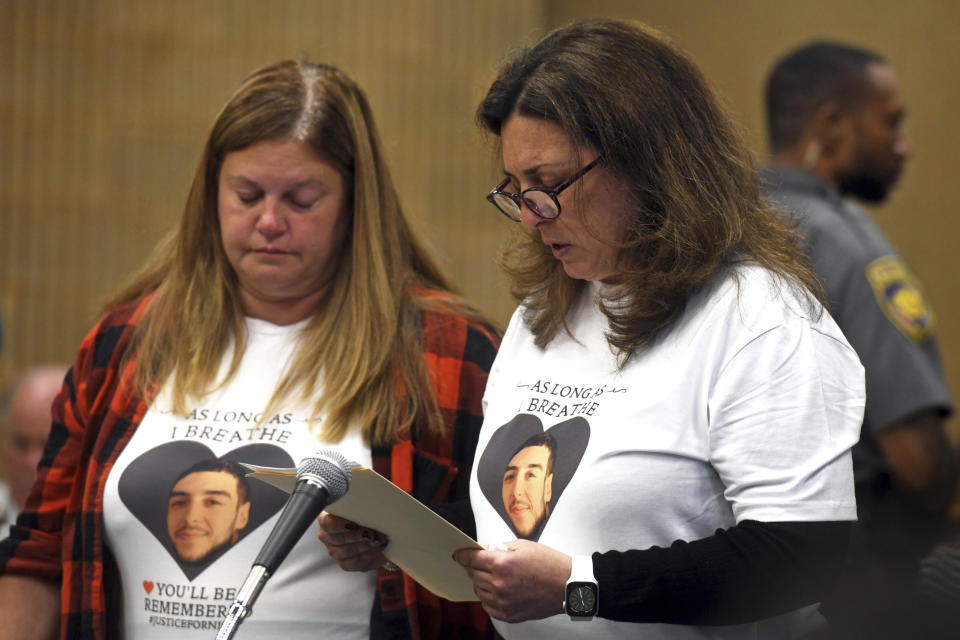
[{"x": 421, "y": 542}]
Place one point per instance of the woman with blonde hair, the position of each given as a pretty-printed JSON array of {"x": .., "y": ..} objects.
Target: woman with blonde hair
[{"x": 292, "y": 307}]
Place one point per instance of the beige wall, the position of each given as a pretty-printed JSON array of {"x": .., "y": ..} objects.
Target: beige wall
[{"x": 104, "y": 105}]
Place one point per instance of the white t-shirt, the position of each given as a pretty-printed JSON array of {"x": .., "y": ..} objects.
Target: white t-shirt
[
  {"x": 745, "y": 409},
  {"x": 172, "y": 591}
]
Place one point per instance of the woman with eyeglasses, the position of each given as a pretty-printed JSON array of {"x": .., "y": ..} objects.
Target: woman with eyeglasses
[{"x": 671, "y": 341}]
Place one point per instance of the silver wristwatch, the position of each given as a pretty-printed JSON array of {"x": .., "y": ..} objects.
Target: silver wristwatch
[{"x": 581, "y": 597}]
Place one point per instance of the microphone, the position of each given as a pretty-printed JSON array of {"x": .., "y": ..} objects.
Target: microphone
[{"x": 321, "y": 480}]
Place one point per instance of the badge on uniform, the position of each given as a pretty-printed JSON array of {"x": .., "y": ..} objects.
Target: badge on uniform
[{"x": 898, "y": 294}]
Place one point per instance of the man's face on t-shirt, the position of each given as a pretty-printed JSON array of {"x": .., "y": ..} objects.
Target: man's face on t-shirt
[
  {"x": 204, "y": 513},
  {"x": 528, "y": 487}
]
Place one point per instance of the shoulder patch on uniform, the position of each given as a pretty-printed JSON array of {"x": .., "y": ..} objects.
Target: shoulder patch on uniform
[{"x": 898, "y": 294}]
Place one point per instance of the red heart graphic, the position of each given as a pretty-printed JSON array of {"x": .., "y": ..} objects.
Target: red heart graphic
[{"x": 148, "y": 586}]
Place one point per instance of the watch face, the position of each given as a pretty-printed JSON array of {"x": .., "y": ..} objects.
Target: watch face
[{"x": 581, "y": 599}]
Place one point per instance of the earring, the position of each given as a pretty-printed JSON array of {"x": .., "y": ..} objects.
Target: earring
[{"x": 812, "y": 154}]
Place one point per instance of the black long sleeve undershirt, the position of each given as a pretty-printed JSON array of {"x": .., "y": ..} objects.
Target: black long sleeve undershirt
[{"x": 748, "y": 572}]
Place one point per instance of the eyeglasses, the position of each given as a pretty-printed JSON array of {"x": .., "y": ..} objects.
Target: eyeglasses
[{"x": 543, "y": 202}]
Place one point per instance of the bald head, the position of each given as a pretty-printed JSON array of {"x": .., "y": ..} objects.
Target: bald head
[{"x": 27, "y": 425}]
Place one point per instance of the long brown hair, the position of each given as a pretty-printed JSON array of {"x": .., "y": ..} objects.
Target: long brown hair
[
  {"x": 640, "y": 102},
  {"x": 360, "y": 360}
]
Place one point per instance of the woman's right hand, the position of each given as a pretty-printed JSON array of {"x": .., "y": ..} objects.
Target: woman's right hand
[
  {"x": 523, "y": 581},
  {"x": 355, "y": 548}
]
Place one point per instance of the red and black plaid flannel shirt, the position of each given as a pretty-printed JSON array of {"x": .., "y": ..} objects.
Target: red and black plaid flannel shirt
[{"x": 59, "y": 536}]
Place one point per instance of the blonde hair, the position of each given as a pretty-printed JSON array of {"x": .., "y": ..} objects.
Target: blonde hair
[{"x": 362, "y": 347}]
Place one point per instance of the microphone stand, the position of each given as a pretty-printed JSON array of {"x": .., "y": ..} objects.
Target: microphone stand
[
  {"x": 320, "y": 480},
  {"x": 242, "y": 606}
]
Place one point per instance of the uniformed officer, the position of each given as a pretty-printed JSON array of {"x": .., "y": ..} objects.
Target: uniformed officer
[{"x": 834, "y": 115}]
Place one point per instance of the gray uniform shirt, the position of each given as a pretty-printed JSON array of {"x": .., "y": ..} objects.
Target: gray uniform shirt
[{"x": 877, "y": 303}]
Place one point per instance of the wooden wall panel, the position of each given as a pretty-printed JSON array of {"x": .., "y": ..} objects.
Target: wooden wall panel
[{"x": 104, "y": 105}]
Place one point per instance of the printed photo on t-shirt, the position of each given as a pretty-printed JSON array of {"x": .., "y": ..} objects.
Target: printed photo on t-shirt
[
  {"x": 524, "y": 469},
  {"x": 198, "y": 505}
]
